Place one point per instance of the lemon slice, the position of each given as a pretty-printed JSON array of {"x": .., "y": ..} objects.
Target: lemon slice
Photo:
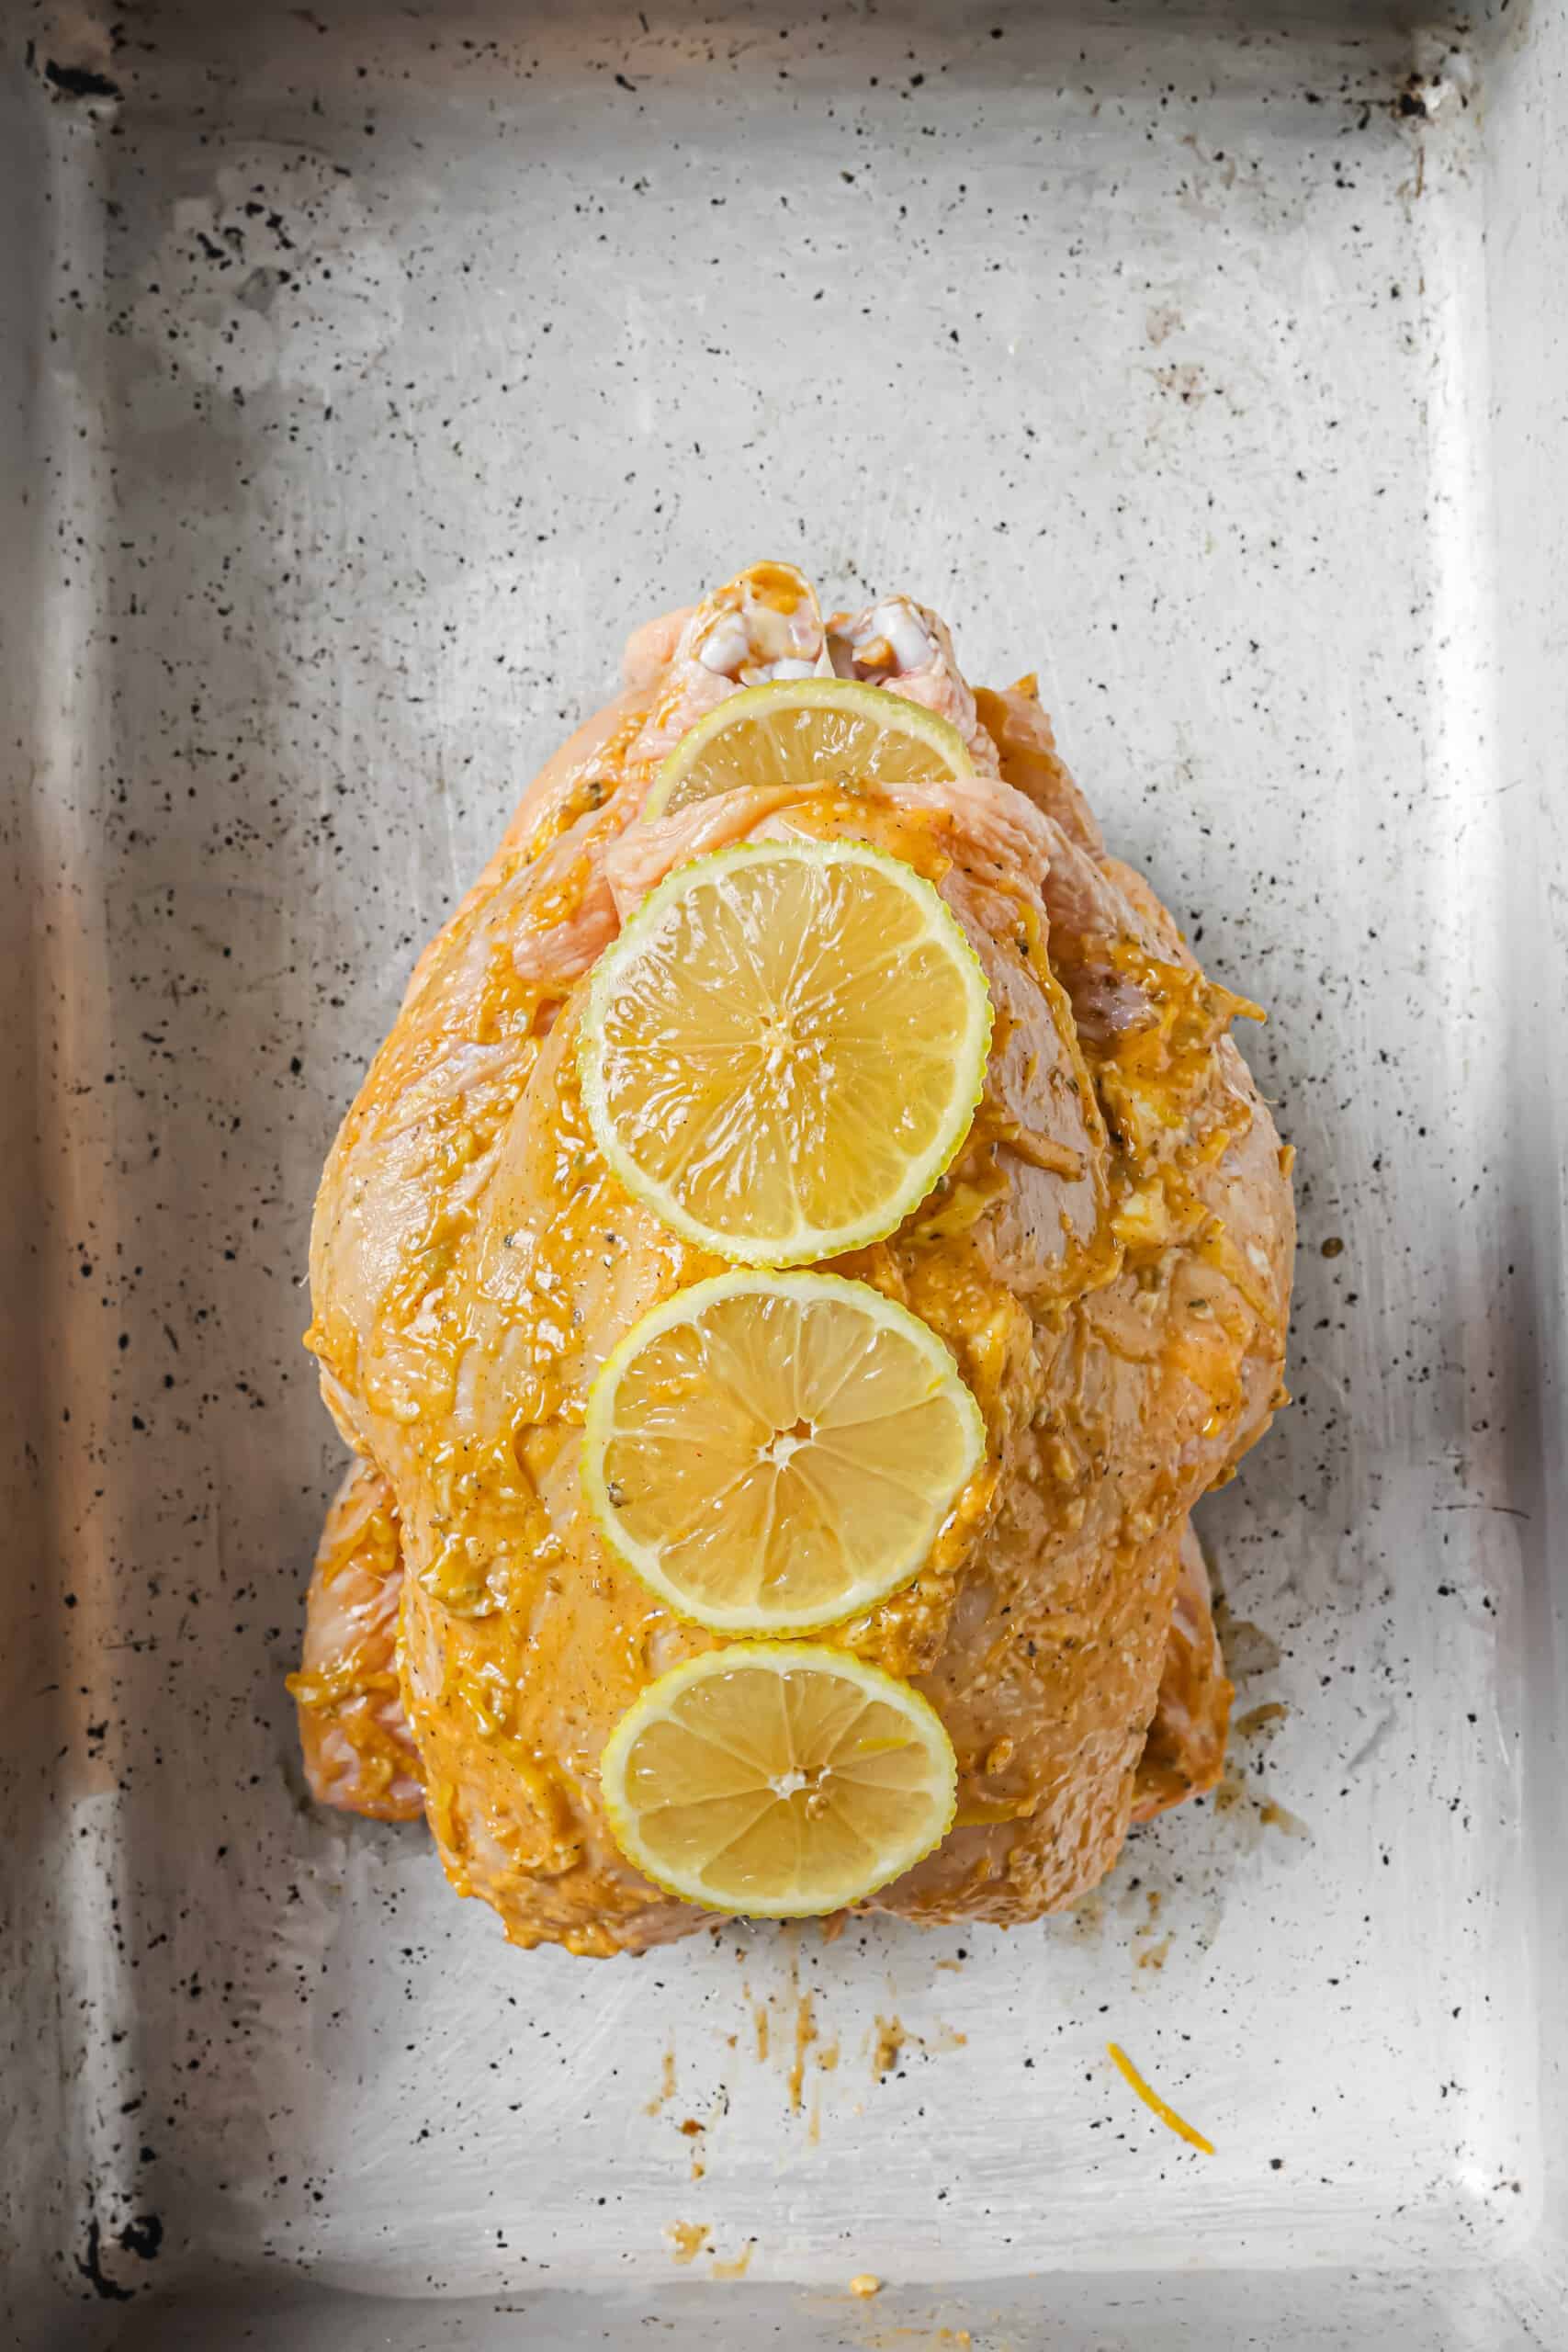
[
  {"x": 777, "y": 1779},
  {"x": 773, "y": 1451},
  {"x": 807, "y": 731},
  {"x": 785, "y": 1048}
]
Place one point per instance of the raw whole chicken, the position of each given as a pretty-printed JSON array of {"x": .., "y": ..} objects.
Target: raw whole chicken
[{"x": 1109, "y": 1258}]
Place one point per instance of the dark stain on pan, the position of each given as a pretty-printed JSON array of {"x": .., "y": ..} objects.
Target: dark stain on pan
[
  {"x": 91, "y": 2267},
  {"x": 144, "y": 2237},
  {"x": 72, "y": 80}
]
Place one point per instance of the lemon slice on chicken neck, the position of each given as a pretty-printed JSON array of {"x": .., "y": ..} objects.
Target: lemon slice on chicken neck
[{"x": 805, "y": 731}]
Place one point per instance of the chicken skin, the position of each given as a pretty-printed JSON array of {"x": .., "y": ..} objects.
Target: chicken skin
[{"x": 1109, "y": 1258}]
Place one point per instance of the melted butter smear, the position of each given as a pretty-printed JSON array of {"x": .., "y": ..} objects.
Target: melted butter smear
[{"x": 1152, "y": 2101}]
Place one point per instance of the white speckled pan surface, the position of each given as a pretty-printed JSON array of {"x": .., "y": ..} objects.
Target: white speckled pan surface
[{"x": 367, "y": 370}]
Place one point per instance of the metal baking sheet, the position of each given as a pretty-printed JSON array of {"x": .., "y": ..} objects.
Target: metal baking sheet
[{"x": 368, "y": 371}]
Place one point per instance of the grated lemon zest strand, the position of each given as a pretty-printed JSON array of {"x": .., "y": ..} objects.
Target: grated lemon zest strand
[{"x": 1152, "y": 2099}]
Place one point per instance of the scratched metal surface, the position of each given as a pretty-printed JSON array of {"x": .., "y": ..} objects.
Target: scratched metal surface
[{"x": 371, "y": 369}]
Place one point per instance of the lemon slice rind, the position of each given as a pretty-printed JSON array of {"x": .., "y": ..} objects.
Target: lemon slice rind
[
  {"x": 930, "y": 1817},
  {"x": 882, "y": 1315}
]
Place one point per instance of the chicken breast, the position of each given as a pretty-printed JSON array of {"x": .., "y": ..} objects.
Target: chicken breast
[{"x": 1109, "y": 1258}]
